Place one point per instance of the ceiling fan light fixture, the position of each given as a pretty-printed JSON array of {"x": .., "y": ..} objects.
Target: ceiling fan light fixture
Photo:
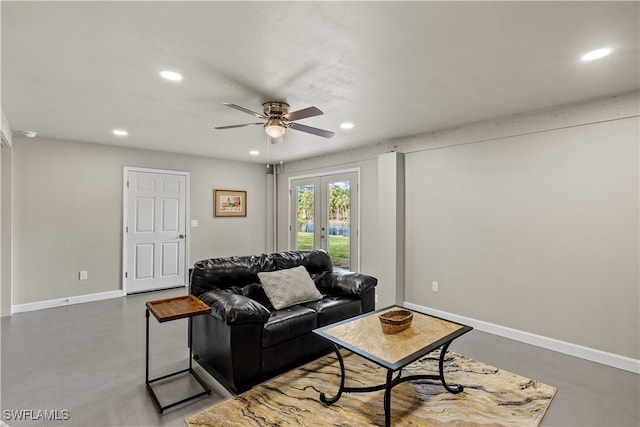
[{"x": 275, "y": 128}]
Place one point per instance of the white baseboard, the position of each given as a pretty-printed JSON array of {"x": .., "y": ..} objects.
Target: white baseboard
[
  {"x": 587, "y": 353},
  {"x": 59, "y": 302}
]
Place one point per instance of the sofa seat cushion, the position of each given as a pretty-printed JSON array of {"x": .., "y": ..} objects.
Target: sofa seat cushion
[
  {"x": 334, "y": 308},
  {"x": 288, "y": 323}
]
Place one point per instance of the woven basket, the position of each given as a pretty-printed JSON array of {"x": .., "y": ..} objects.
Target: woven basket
[{"x": 395, "y": 321}]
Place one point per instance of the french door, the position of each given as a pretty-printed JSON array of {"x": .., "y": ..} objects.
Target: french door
[{"x": 324, "y": 215}]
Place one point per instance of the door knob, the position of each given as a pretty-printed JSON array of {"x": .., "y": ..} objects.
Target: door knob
[{"x": 182, "y": 236}]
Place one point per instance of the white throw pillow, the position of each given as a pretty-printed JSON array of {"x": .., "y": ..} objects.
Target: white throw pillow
[{"x": 289, "y": 287}]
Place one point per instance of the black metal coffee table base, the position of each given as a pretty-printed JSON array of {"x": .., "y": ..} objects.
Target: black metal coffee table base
[{"x": 389, "y": 384}]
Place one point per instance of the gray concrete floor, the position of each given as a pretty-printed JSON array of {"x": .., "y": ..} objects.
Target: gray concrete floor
[{"x": 89, "y": 359}]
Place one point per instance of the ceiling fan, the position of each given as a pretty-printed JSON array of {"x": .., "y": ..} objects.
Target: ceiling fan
[{"x": 278, "y": 119}]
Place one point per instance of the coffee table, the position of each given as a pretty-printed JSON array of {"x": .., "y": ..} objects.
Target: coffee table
[{"x": 363, "y": 336}]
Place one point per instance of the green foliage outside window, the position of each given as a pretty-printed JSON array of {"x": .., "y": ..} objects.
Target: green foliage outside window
[
  {"x": 339, "y": 204},
  {"x": 339, "y": 247}
]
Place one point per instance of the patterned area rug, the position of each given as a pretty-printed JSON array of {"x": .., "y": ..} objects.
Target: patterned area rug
[{"x": 491, "y": 397}]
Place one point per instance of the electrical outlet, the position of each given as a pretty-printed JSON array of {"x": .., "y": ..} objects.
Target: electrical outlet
[
  {"x": 83, "y": 275},
  {"x": 194, "y": 223},
  {"x": 435, "y": 287}
]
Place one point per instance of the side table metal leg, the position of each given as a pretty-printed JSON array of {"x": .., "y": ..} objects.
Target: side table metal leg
[
  {"x": 146, "y": 378},
  {"x": 189, "y": 345},
  {"x": 146, "y": 375}
]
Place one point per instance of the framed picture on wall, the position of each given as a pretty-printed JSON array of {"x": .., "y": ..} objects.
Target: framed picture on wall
[{"x": 229, "y": 203}]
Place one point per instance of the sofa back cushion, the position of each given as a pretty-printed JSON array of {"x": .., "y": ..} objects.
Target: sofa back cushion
[
  {"x": 222, "y": 273},
  {"x": 317, "y": 262},
  {"x": 226, "y": 272}
]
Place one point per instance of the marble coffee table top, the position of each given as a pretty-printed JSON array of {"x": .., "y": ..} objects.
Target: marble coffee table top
[{"x": 363, "y": 335}]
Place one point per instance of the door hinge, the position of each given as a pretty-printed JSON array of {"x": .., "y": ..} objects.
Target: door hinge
[
  {"x": 126, "y": 275},
  {"x": 127, "y": 229},
  {"x": 127, "y": 183}
]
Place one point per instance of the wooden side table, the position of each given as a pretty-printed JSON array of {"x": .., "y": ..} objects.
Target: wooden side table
[{"x": 166, "y": 310}]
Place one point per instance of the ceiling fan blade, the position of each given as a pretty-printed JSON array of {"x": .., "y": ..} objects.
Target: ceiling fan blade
[
  {"x": 237, "y": 126},
  {"x": 237, "y": 107},
  {"x": 312, "y": 130},
  {"x": 303, "y": 114}
]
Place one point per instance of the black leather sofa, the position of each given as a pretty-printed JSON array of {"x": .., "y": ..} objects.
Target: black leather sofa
[{"x": 245, "y": 340}]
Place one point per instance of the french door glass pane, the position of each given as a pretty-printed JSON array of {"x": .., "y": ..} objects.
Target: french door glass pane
[
  {"x": 339, "y": 214},
  {"x": 305, "y": 221}
]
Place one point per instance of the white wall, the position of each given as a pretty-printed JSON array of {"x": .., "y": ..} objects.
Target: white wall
[
  {"x": 391, "y": 229},
  {"x": 536, "y": 232},
  {"x": 528, "y": 222},
  {"x": 67, "y": 213}
]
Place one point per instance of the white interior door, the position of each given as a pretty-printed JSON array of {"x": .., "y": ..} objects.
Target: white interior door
[{"x": 155, "y": 231}]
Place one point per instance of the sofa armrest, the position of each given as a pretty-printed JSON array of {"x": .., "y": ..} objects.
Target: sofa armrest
[
  {"x": 346, "y": 283},
  {"x": 235, "y": 309}
]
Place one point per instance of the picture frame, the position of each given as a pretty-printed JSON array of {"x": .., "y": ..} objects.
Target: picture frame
[{"x": 229, "y": 203}]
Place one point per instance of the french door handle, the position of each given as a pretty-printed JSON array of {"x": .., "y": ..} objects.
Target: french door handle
[{"x": 182, "y": 236}]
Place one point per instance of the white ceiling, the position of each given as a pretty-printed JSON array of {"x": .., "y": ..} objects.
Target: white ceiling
[{"x": 78, "y": 70}]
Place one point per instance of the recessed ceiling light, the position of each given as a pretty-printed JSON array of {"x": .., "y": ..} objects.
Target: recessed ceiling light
[
  {"x": 346, "y": 125},
  {"x": 596, "y": 54},
  {"x": 120, "y": 132},
  {"x": 254, "y": 152},
  {"x": 171, "y": 75}
]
